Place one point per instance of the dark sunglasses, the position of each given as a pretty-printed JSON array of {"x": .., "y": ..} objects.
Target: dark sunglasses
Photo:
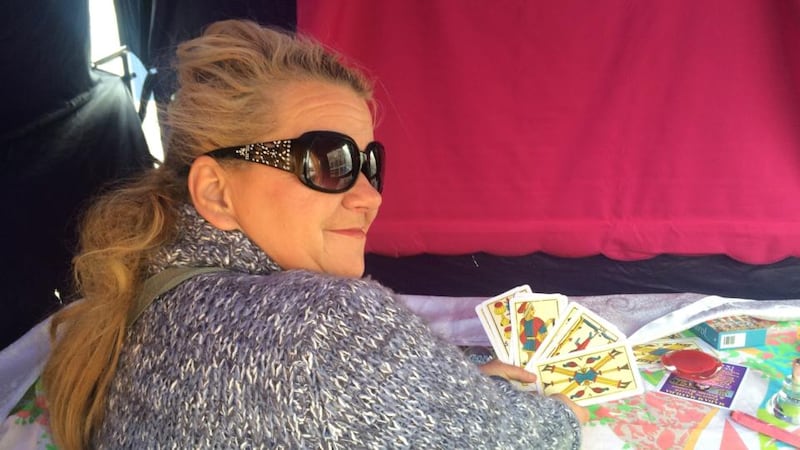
[{"x": 325, "y": 161}]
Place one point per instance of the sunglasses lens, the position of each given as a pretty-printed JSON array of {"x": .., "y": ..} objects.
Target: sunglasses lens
[
  {"x": 373, "y": 166},
  {"x": 329, "y": 164},
  {"x": 332, "y": 162}
]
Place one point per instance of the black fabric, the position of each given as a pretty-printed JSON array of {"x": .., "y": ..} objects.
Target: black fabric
[
  {"x": 484, "y": 275},
  {"x": 151, "y": 29},
  {"x": 44, "y": 53},
  {"x": 65, "y": 132},
  {"x": 50, "y": 170}
]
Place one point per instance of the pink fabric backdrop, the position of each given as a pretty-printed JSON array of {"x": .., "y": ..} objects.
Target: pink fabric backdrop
[{"x": 576, "y": 128}]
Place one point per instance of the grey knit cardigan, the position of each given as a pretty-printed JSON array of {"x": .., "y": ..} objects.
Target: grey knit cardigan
[{"x": 256, "y": 357}]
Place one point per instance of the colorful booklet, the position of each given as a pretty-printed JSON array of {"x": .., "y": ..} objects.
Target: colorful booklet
[{"x": 720, "y": 391}]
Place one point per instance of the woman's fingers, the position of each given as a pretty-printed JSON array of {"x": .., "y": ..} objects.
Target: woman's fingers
[{"x": 509, "y": 372}]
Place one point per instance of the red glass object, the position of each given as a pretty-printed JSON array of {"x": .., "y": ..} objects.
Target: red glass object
[{"x": 692, "y": 364}]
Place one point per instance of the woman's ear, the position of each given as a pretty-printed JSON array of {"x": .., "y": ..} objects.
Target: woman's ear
[{"x": 211, "y": 192}]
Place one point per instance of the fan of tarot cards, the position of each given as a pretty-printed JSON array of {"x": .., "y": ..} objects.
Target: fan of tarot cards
[{"x": 571, "y": 350}]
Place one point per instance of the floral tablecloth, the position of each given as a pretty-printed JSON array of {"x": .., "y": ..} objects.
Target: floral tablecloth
[{"x": 657, "y": 421}]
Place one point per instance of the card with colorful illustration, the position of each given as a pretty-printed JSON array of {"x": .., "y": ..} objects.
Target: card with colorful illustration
[
  {"x": 533, "y": 316},
  {"x": 591, "y": 376},
  {"x": 720, "y": 391},
  {"x": 495, "y": 317},
  {"x": 579, "y": 329},
  {"x": 648, "y": 355}
]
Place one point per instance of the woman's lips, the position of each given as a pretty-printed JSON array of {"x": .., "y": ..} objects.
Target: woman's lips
[{"x": 350, "y": 232}]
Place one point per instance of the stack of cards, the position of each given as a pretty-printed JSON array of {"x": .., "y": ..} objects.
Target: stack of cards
[
  {"x": 648, "y": 355},
  {"x": 570, "y": 349}
]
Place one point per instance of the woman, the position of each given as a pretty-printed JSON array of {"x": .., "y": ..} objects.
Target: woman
[{"x": 283, "y": 346}]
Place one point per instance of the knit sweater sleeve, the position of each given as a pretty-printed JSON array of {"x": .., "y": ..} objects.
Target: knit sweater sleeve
[{"x": 373, "y": 375}]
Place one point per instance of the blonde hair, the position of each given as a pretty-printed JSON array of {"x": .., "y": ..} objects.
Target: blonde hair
[{"x": 227, "y": 78}]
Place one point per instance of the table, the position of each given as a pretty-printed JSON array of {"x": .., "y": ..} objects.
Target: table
[{"x": 651, "y": 420}]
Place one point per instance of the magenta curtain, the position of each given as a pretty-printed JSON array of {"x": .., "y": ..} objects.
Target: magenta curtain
[{"x": 615, "y": 127}]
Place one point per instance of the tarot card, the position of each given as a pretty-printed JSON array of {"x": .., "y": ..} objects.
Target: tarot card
[
  {"x": 579, "y": 329},
  {"x": 494, "y": 339},
  {"x": 591, "y": 376},
  {"x": 532, "y": 317},
  {"x": 496, "y": 320},
  {"x": 720, "y": 391},
  {"x": 648, "y": 355}
]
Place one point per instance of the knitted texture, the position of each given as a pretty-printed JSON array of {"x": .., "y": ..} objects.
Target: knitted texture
[{"x": 261, "y": 358}]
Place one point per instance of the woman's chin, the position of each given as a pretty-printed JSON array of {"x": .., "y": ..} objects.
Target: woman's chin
[{"x": 347, "y": 267}]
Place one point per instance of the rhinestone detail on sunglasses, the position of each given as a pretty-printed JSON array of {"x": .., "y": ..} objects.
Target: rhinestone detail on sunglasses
[{"x": 278, "y": 156}]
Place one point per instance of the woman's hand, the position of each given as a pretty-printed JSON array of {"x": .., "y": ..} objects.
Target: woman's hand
[
  {"x": 510, "y": 372},
  {"x": 513, "y": 373},
  {"x": 580, "y": 412}
]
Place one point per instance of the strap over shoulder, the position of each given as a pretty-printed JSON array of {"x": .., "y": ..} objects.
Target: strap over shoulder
[{"x": 163, "y": 282}]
